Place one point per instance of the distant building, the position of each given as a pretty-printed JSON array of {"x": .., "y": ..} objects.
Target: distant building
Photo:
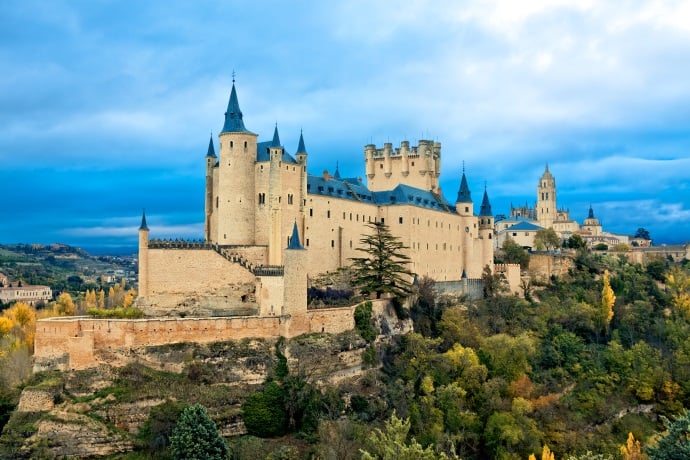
[
  {"x": 525, "y": 221},
  {"x": 29, "y": 294}
]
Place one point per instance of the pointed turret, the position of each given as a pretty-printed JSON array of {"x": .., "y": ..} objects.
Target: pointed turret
[
  {"x": 464, "y": 195},
  {"x": 143, "y": 225},
  {"x": 276, "y": 139},
  {"x": 294, "y": 239},
  {"x": 233, "y": 116},
  {"x": 211, "y": 150},
  {"x": 336, "y": 174},
  {"x": 300, "y": 146},
  {"x": 485, "y": 209},
  {"x": 591, "y": 212}
]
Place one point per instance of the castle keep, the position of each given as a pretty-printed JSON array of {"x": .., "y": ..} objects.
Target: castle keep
[{"x": 260, "y": 200}]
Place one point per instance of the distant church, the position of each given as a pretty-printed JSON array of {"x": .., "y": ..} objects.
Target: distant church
[
  {"x": 259, "y": 198},
  {"x": 525, "y": 221}
]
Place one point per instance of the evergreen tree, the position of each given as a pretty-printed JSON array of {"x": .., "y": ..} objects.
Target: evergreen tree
[
  {"x": 674, "y": 443},
  {"x": 384, "y": 269},
  {"x": 195, "y": 436}
]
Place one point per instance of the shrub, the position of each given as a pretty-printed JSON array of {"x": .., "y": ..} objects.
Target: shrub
[
  {"x": 195, "y": 436},
  {"x": 264, "y": 412},
  {"x": 363, "y": 321}
]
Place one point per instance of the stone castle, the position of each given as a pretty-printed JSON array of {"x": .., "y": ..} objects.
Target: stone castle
[
  {"x": 269, "y": 224},
  {"x": 269, "y": 227}
]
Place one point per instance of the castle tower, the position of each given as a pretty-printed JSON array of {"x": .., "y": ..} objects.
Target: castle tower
[
  {"x": 546, "y": 199},
  {"x": 301, "y": 156},
  {"x": 143, "y": 257},
  {"x": 465, "y": 207},
  {"x": 486, "y": 230},
  {"x": 417, "y": 167},
  {"x": 234, "y": 198},
  {"x": 275, "y": 248},
  {"x": 210, "y": 164},
  {"x": 295, "y": 276}
]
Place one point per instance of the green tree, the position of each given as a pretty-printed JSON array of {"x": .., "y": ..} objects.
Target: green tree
[
  {"x": 575, "y": 241},
  {"x": 674, "y": 443},
  {"x": 264, "y": 412},
  {"x": 195, "y": 436},
  {"x": 546, "y": 238},
  {"x": 390, "y": 444},
  {"x": 384, "y": 269},
  {"x": 515, "y": 254},
  {"x": 363, "y": 321},
  {"x": 642, "y": 233}
]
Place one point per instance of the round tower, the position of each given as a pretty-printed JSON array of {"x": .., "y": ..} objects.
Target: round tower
[
  {"x": 234, "y": 200},
  {"x": 486, "y": 231},
  {"x": 210, "y": 165},
  {"x": 143, "y": 257}
]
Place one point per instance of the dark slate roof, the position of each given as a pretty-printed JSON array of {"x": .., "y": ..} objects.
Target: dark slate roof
[
  {"x": 300, "y": 146},
  {"x": 294, "y": 239},
  {"x": 352, "y": 189},
  {"x": 591, "y": 212},
  {"x": 485, "y": 209},
  {"x": 233, "y": 116},
  {"x": 336, "y": 174},
  {"x": 143, "y": 225},
  {"x": 276, "y": 138},
  {"x": 464, "y": 195},
  {"x": 211, "y": 151},
  {"x": 262, "y": 153},
  {"x": 524, "y": 226}
]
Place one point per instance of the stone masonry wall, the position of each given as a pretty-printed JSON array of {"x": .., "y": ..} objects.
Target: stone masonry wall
[{"x": 192, "y": 270}]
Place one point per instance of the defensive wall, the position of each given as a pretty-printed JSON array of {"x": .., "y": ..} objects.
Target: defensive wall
[{"x": 80, "y": 342}]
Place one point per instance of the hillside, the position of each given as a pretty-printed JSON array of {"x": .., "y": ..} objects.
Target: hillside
[{"x": 580, "y": 362}]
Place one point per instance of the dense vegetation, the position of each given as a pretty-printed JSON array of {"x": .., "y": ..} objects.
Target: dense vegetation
[{"x": 594, "y": 364}]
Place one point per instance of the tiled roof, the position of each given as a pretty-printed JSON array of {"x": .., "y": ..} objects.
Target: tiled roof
[
  {"x": 525, "y": 226},
  {"x": 352, "y": 189},
  {"x": 262, "y": 153}
]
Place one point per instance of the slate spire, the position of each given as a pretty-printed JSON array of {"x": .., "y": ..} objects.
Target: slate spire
[
  {"x": 591, "y": 212},
  {"x": 211, "y": 150},
  {"x": 294, "y": 239},
  {"x": 143, "y": 225},
  {"x": 276, "y": 138},
  {"x": 464, "y": 195},
  {"x": 300, "y": 146},
  {"x": 233, "y": 116},
  {"x": 336, "y": 174},
  {"x": 485, "y": 209}
]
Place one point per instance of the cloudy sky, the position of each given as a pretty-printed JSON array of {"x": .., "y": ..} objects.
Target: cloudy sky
[{"x": 106, "y": 107}]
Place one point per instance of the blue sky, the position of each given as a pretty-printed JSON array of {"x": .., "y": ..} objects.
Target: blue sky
[{"x": 106, "y": 106}]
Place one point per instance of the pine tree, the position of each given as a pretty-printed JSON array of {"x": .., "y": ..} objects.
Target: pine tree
[
  {"x": 384, "y": 269},
  {"x": 196, "y": 437}
]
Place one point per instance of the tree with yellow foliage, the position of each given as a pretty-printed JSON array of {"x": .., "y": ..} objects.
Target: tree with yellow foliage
[
  {"x": 546, "y": 454},
  {"x": 64, "y": 305},
  {"x": 608, "y": 299},
  {"x": 678, "y": 283},
  {"x": 22, "y": 323},
  {"x": 632, "y": 449}
]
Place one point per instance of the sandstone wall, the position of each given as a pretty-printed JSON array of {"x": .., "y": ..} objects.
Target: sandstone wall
[
  {"x": 544, "y": 265},
  {"x": 192, "y": 270}
]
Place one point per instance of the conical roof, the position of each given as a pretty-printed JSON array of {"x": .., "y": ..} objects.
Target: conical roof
[
  {"x": 464, "y": 195},
  {"x": 233, "y": 116},
  {"x": 211, "y": 150},
  {"x": 143, "y": 225},
  {"x": 294, "y": 239},
  {"x": 485, "y": 209}
]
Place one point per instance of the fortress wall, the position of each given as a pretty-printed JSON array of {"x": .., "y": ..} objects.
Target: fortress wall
[
  {"x": 545, "y": 265},
  {"x": 192, "y": 270},
  {"x": 83, "y": 339},
  {"x": 257, "y": 255},
  {"x": 270, "y": 295}
]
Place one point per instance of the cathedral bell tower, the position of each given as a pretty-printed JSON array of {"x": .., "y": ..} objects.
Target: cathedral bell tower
[{"x": 546, "y": 199}]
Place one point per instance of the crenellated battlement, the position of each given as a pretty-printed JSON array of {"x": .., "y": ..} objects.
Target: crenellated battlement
[{"x": 417, "y": 166}]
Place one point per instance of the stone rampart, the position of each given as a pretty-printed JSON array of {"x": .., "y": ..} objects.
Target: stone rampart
[
  {"x": 543, "y": 266},
  {"x": 79, "y": 342}
]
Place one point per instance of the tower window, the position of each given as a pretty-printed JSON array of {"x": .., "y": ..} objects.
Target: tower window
[
  {"x": 381, "y": 166},
  {"x": 311, "y": 212},
  {"x": 289, "y": 198},
  {"x": 245, "y": 144},
  {"x": 307, "y": 241},
  {"x": 332, "y": 243},
  {"x": 328, "y": 213},
  {"x": 400, "y": 220}
]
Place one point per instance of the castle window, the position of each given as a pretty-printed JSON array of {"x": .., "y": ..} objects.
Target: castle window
[
  {"x": 332, "y": 243},
  {"x": 413, "y": 163},
  {"x": 262, "y": 198},
  {"x": 328, "y": 213},
  {"x": 489, "y": 235},
  {"x": 330, "y": 189},
  {"x": 216, "y": 202},
  {"x": 357, "y": 217},
  {"x": 514, "y": 234},
  {"x": 381, "y": 166},
  {"x": 307, "y": 241},
  {"x": 400, "y": 220},
  {"x": 289, "y": 198},
  {"x": 245, "y": 144},
  {"x": 350, "y": 216},
  {"x": 350, "y": 244},
  {"x": 311, "y": 212},
  {"x": 383, "y": 221},
  {"x": 231, "y": 144},
  {"x": 467, "y": 209},
  {"x": 320, "y": 188}
]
